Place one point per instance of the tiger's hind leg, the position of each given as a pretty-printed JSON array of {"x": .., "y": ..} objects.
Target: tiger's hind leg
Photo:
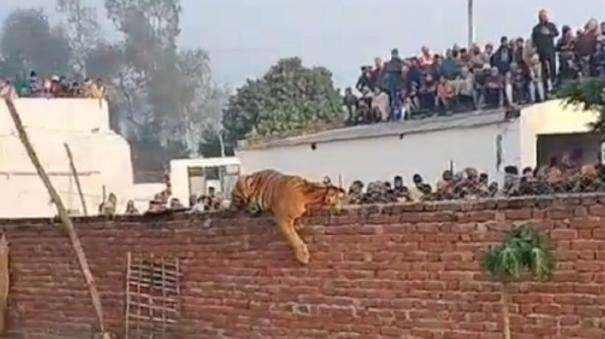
[{"x": 286, "y": 226}]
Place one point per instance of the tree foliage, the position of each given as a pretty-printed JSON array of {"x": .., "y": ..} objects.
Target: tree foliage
[
  {"x": 83, "y": 29},
  {"x": 523, "y": 250},
  {"x": 588, "y": 94},
  {"x": 288, "y": 97},
  {"x": 29, "y": 42},
  {"x": 160, "y": 95},
  {"x": 168, "y": 92}
]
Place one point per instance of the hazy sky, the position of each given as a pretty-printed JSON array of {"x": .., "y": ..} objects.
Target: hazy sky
[{"x": 244, "y": 37}]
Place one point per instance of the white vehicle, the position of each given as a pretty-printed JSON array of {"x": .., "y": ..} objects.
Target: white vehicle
[{"x": 196, "y": 176}]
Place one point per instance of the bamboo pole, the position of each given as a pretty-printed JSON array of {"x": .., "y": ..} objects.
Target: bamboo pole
[
  {"x": 76, "y": 178},
  {"x": 73, "y": 236},
  {"x": 4, "y": 282}
]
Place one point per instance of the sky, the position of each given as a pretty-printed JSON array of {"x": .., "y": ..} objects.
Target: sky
[{"x": 245, "y": 37}]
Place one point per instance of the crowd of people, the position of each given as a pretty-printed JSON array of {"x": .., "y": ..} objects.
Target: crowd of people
[
  {"x": 562, "y": 175},
  {"x": 557, "y": 177},
  {"x": 517, "y": 71},
  {"x": 51, "y": 87},
  {"x": 164, "y": 201}
]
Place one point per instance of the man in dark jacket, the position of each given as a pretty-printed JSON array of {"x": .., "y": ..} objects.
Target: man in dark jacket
[
  {"x": 394, "y": 77},
  {"x": 365, "y": 79},
  {"x": 450, "y": 67},
  {"x": 503, "y": 56},
  {"x": 543, "y": 37}
]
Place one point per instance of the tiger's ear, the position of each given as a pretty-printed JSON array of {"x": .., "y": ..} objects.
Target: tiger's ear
[
  {"x": 243, "y": 181},
  {"x": 250, "y": 183}
]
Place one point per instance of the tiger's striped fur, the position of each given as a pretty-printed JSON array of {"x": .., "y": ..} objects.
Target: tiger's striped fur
[{"x": 287, "y": 197}]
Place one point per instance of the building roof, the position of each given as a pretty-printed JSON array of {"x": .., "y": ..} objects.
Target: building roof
[{"x": 462, "y": 120}]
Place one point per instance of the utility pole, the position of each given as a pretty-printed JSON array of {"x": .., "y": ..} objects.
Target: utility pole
[{"x": 471, "y": 23}]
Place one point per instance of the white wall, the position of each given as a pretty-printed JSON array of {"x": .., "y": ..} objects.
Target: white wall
[
  {"x": 61, "y": 114},
  {"x": 382, "y": 158},
  {"x": 426, "y": 153},
  {"x": 101, "y": 156}
]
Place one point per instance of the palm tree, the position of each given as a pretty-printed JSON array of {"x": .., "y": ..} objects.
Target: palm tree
[
  {"x": 524, "y": 250},
  {"x": 589, "y": 94}
]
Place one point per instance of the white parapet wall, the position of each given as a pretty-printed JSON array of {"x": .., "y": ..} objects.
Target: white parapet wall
[{"x": 102, "y": 157}]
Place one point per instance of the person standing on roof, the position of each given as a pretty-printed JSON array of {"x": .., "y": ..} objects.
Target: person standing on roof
[{"x": 543, "y": 37}]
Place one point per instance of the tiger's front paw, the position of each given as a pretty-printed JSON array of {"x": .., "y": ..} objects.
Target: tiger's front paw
[
  {"x": 302, "y": 254},
  {"x": 298, "y": 225}
]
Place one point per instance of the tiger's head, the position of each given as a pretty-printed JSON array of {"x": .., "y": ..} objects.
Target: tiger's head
[
  {"x": 240, "y": 196},
  {"x": 334, "y": 196}
]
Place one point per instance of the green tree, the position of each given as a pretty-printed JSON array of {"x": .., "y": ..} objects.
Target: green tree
[
  {"x": 524, "y": 250},
  {"x": 160, "y": 95},
  {"x": 588, "y": 94},
  {"x": 29, "y": 42},
  {"x": 167, "y": 93},
  {"x": 288, "y": 97},
  {"x": 83, "y": 29},
  {"x": 213, "y": 145}
]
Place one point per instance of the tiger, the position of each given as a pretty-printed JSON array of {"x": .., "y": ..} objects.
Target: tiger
[{"x": 287, "y": 197}]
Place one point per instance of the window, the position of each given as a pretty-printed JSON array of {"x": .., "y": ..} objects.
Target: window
[
  {"x": 582, "y": 148},
  {"x": 212, "y": 173}
]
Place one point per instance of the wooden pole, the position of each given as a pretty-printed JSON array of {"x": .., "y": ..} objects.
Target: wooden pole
[
  {"x": 76, "y": 178},
  {"x": 4, "y": 282},
  {"x": 73, "y": 236}
]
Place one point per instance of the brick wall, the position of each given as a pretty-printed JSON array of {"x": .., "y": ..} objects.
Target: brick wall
[{"x": 405, "y": 271}]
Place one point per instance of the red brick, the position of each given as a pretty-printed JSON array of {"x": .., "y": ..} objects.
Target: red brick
[
  {"x": 587, "y": 255},
  {"x": 559, "y": 213},
  {"x": 523, "y": 214},
  {"x": 598, "y": 210},
  {"x": 477, "y": 216},
  {"x": 438, "y": 217},
  {"x": 586, "y": 222},
  {"x": 585, "y": 234},
  {"x": 580, "y": 211},
  {"x": 463, "y": 227},
  {"x": 563, "y": 234},
  {"x": 599, "y": 233},
  {"x": 585, "y": 244},
  {"x": 550, "y": 309},
  {"x": 567, "y": 255},
  {"x": 589, "y": 266},
  {"x": 575, "y": 299},
  {"x": 569, "y": 320}
]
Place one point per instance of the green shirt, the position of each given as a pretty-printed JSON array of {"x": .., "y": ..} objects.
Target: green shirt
[{"x": 22, "y": 86}]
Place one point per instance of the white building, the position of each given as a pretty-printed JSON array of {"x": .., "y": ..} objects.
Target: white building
[
  {"x": 101, "y": 156},
  {"x": 196, "y": 176},
  {"x": 485, "y": 140}
]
